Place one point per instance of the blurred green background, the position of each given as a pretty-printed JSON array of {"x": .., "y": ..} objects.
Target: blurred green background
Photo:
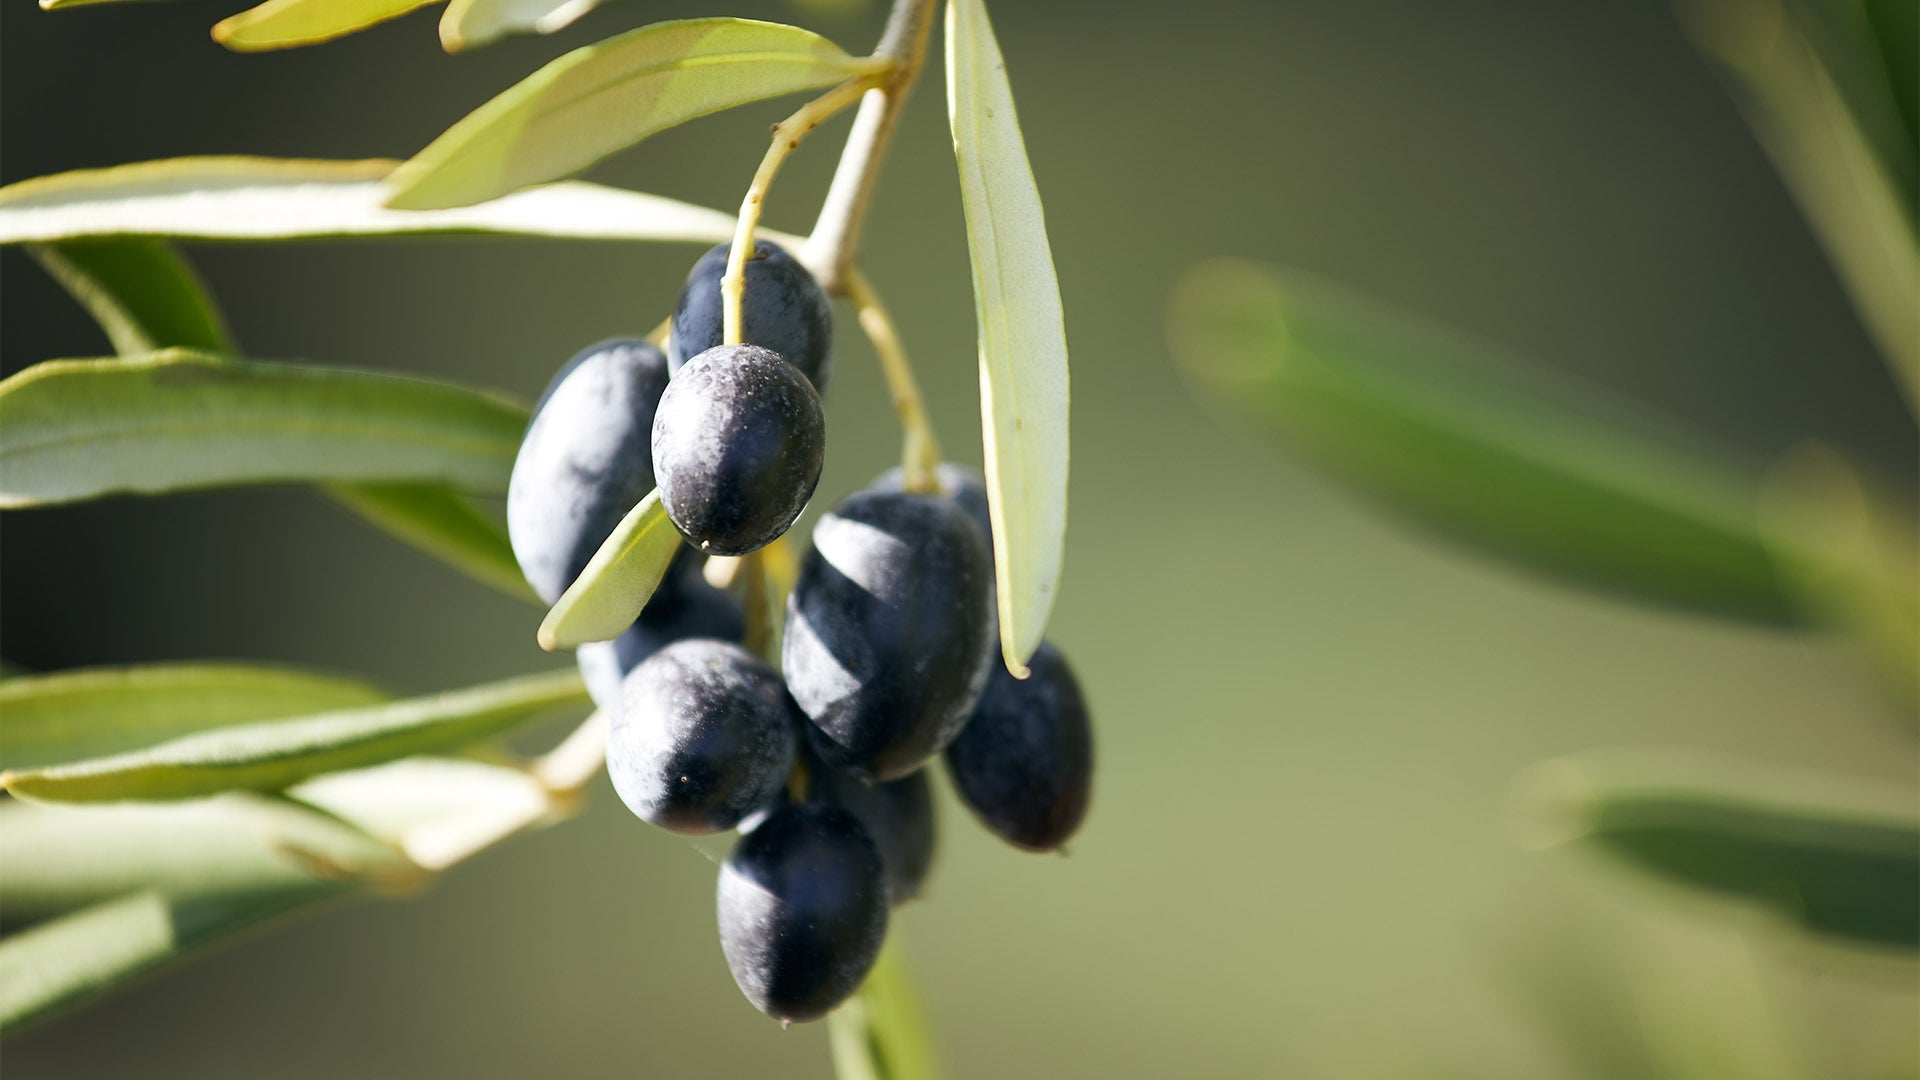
[{"x": 1298, "y": 861}]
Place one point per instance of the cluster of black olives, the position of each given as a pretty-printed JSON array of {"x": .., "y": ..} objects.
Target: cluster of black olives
[{"x": 890, "y": 653}]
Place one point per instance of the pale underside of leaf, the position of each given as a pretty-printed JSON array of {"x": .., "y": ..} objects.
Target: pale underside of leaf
[
  {"x": 431, "y": 809},
  {"x": 93, "y": 712},
  {"x": 174, "y": 420},
  {"x": 287, "y": 24},
  {"x": 274, "y": 755},
  {"x": 614, "y": 587},
  {"x": 469, "y": 24},
  {"x": 1484, "y": 452},
  {"x": 265, "y": 199},
  {"x": 148, "y": 883},
  {"x": 605, "y": 97},
  {"x": 61, "y": 857},
  {"x": 67, "y": 960},
  {"x": 1024, "y": 391}
]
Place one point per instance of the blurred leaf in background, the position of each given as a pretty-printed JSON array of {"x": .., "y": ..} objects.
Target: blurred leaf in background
[
  {"x": 1828, "y": 854},
  {"x": 1455, "y": 437},
  {"x": 1831, "y": 89}
]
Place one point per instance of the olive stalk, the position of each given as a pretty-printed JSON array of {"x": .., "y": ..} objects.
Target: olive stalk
[
  {"x": 831, "y": 247},
  {"x": 786, "y": 139},
  {"x": 921, "y": 454}
]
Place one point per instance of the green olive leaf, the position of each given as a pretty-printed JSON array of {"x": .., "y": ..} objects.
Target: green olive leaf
[
  {"x": 91, "y": 712},
  {"x": 288, "y": 24},
  {"x": 155, "y": 881},
  {"x": 1826, "y": 854},
  {"x": 1479, "y": 451},
  {"x": 65, "y": 961},
  {"x": 276, "y": 754},
  {"x": 140, "y": 292},
  {"x": 1849, "y": 549},
  {"x": 235, "y": 859},
  {"x": 430, "y": 809},
  {"x": 61, "y": 857},
  {"x": 1814, "y": 86},
  {"x": 605, "y": 97},
  {"x": 266, "y": 199},
  {"x": 617, "y": 582},
  {"x": 174, "y": 420},
  {"x": 443, "y": 523},
  {"x": 146, "y": 297},
  {"x": 469, "y": 24},
  {"x": 1023, "y": 342}
]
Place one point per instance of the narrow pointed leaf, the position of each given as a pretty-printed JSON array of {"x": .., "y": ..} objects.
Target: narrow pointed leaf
[
  {"x": 62, "y": 857},
  {"x": 65, "y": 961},
  {"x": 175, "y": 420},
  {"x": 207, "y": 867},
  {"x": 146, "y": 297},
  {"x": 469, "y": 24},
  {"x": 441, "y": 522},
  {"x": 431, "y": 809},
  {"x": 255, "y": 199},
  {"x": 93, "y": 712},
  {"x": 1820, "y": 853},
  {"x": 287, "y": 24},
  {"x": 1849, "y": 549},
  {"x": 276, "y": 754},
  {"x": 1817, "y": 97},
  {"x": 1449, "y": 436},
  {"x": 608, "y": 96},
  {"x": 1023, "y": 341},
  {"x": 140, "y": 292},
  {"x": 609, "y": 594}
]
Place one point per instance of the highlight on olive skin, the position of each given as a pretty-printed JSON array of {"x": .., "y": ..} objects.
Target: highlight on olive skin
[
  {"x": 889, "y": 631},
  {"x": 738, "y": 444},
  {"x": 782, "y": 309},
  {"x": 585, "y": 459},
  {"x": 803, "y": 908},
  {"x": 703, "y": 736}
]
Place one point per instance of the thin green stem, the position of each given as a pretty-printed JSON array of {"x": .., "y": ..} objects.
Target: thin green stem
[
  {"x": 921, "y": 454},
  {"x": 787, "y": 135},
  {"x": 882, "y": 1034},
  {"x": 835, "y": 240}
]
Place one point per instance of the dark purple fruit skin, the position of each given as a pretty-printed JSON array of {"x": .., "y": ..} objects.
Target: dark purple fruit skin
[
  {"x": 704, "y": 734},
  {"x": 890, "y": 632},
  {"x": 898, "y": 815},
  {"x": 585, "y": 460},
  {"x": 738, "y": 442},
  {"x": 1024, "y": 763},
  {"x": 803, "y": 909},
  {"x": 783, "y": 309},
  {"x": 684, "y": 606},
  {"x": 961, "y": 483}
]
